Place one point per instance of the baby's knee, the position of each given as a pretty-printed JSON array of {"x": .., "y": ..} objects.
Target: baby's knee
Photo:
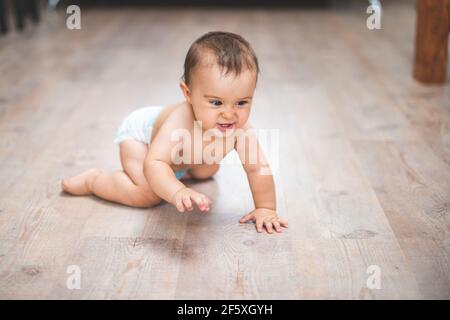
[
  {"x": 204, "y": 171},
  {"x": 144, "y": 202},
  {"x": 144, "y": 198}
]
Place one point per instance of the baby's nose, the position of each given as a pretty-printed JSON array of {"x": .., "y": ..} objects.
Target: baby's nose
[{"x": 227, "y": 115}]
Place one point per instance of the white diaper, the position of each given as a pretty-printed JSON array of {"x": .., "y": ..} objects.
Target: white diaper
[{"x": 138, "y": 125}]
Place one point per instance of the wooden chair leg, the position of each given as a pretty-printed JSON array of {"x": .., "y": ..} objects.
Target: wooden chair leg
[
  {"x": 33, "y": 6},
  {"x": 19, "y": 10},
  {"x": 3, "y": 17},
  {"x": 431, "y": 47}
]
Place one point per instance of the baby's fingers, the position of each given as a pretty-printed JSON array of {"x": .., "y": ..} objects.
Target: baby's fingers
[
  {"x": 268, "y": 225},
  {"x": 283, "y": 223},
  {"x": 179, "y": 205},
  {"x": 187, "y": 203},
  {"x": 200, "y": 202},
  {"x": 246, "y": 218},
  {"x": 206, "y": 202},
  {"x": 277, "y": 226},
  {"x": 259, "y": 225}
]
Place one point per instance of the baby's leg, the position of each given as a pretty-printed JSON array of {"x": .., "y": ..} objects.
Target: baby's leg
[
  {"x": 127, "y": 187},
  {"x": 204, "y": 171}
]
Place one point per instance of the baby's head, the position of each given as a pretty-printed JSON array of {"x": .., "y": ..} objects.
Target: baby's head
[{"x": 220, "y": 75}]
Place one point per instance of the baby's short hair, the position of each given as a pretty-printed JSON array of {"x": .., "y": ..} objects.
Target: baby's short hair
[{"x": 231, "y": 50}]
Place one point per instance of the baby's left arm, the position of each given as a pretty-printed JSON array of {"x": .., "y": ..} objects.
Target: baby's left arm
[{"x": 261, "y": 183}]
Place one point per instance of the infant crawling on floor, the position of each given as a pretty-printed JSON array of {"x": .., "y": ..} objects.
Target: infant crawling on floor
[{"x": 161, "y": 147}]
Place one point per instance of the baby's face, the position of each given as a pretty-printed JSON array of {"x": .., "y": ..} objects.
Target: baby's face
[{"x": 221, "y": 102}]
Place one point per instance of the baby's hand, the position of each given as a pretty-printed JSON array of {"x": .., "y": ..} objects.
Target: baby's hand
[
  {"x": 265, "y": 217},
  {"x": 185, "y": 198}
]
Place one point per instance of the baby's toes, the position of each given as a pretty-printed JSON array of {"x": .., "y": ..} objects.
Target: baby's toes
[
  {"x": 78, "y": 185},
  {"x": 64, "y": 185},
  {"x": 72, "y": 186}
]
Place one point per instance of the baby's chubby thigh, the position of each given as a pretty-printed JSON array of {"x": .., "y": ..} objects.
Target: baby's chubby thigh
[{"x": 204, "y": 171}]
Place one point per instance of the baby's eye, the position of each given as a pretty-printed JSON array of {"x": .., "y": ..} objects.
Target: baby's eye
[
  {"x": 215, "y": 102},
  {"x": 242, "y": 103}
]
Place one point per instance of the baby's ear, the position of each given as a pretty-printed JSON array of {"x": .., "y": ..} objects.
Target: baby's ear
[{"x": 185, "y": 89}]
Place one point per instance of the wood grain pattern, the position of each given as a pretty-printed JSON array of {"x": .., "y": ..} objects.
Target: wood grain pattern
[{"x": 364, "y": 161}]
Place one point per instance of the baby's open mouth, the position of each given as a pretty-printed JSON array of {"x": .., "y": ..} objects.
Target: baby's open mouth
[{"x": 225, "y": 126}]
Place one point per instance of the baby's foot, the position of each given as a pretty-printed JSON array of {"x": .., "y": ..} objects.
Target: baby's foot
[{"x": 78, "y": 185}]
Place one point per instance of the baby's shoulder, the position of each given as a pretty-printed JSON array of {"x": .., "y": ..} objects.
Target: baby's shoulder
[
  {"x": 181, "y": 112},
  {"x": 177, "y": 115}
]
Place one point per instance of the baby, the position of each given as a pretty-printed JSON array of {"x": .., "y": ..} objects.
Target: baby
[{"x": 157, "y": 151}]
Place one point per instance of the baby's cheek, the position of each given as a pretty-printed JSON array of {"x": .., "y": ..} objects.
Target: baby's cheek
[
  {"x": 205, "y": 122},
  {"x": 241, "y": 122},
  {"x": 211, "y": 123}
]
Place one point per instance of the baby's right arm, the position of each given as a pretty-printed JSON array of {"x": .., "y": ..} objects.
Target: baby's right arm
[{"x": 159, "y": 174}]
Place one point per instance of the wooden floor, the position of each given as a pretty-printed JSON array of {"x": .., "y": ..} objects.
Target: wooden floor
[{"x": 363, "y": 179}]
